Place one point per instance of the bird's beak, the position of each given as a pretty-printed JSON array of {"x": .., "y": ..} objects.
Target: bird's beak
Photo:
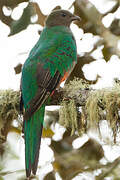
[{"x": 74, "y": 18}]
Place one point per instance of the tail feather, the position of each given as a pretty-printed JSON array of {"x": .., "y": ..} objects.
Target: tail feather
[{"x": 33, "y": 131}]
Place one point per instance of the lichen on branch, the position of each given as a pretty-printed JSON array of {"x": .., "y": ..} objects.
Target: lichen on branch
[
  {"x": 82, "y": 107},
  {"x": 9, "y": 110},
  {"x": 90, "y": 107}
]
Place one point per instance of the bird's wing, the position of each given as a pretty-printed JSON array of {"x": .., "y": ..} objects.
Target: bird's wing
[{"x": 46, "y": 84}]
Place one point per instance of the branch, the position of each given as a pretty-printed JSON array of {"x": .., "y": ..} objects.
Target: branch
[
  {"x": 109, "y": 169},
  {"x": 81, "y": 107}
]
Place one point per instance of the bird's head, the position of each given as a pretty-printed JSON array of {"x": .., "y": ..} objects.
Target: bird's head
[{"x": 60, "y": 18}]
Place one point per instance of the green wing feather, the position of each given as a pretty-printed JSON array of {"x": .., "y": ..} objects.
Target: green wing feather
[{"x": 50, "y": 58}]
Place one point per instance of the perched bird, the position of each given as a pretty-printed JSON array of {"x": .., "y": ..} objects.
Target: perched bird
[{"x": 49, "y": 62}]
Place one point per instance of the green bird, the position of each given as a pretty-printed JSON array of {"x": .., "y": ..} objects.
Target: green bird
[{"x": 49, "y": 62}]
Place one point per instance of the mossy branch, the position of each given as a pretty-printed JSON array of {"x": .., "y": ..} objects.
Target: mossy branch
[{"x": 81, "y": 107}]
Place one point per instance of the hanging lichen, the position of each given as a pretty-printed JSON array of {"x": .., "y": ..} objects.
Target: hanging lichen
[
  {"x": 93, "y": 109},
  {"x": 90, "y": 107},
  {"x": 104, "y": 102},
  {"x": 9, "y": 110},
  {"x": 68, "y": 115}
]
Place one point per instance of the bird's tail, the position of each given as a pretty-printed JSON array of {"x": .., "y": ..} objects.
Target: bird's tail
[{"x": 33, "y": 131}]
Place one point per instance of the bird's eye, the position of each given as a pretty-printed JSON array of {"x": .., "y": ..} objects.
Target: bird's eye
[{"x": 63, "y": 14}]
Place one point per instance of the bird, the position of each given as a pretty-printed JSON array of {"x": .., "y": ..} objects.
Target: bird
[{"x": 49, "y": 63}]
